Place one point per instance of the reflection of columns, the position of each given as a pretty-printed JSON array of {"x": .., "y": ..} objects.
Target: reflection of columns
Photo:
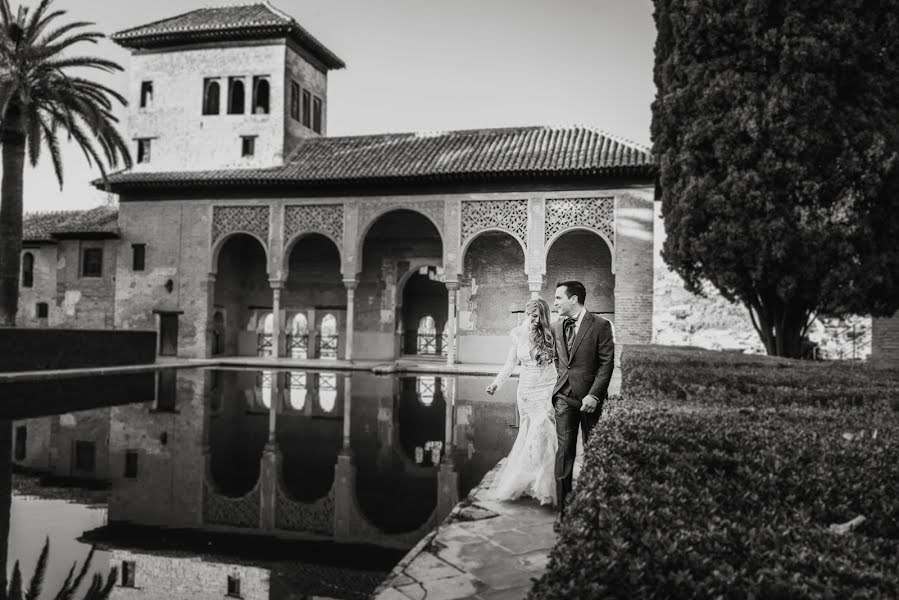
[
  {"x": 350, "y": 285},
  {"x": 276, "y": 284},
  {"x": 347, "y": 395},
  {"x": 271, "y": 459},
  {"x": 452, "y": 288},
  {"x": 447, "y": 478}
]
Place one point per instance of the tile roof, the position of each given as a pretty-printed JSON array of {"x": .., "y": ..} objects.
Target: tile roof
[
  {"x": 455, "y": 156},
  {"x": 49, "y": 226},
  {"x": 251, "y": 21}
]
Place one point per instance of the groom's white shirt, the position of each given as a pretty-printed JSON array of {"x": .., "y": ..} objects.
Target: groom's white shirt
[{"x": 580, "y": 317}]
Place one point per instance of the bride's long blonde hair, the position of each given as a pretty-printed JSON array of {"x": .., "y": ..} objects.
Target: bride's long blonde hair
[{"x": 540, "y": 333}]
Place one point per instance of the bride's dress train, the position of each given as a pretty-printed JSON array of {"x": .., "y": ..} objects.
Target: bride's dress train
[{"x": 530, "y": 467}]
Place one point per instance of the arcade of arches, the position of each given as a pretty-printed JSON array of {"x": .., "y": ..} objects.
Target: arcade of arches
[{"x": 429, "y": 278}]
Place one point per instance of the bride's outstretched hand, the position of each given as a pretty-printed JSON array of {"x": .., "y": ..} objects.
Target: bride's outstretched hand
[{"x": 491, "y": 388}]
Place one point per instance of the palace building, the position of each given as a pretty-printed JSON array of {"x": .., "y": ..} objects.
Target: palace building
[{"x": 244, "y": 230}]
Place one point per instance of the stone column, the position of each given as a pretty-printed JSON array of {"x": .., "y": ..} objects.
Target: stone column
[
  {"x": 345, "y": 473},
  {"x": 277, "y": 344},
  {"x": 350, "y": 285},
  {"x": 536, "y": 243},
  {"x": 452, "y": 288},
  {"x": 347, "y": 403},
  {"x": 535, "y": 286}
]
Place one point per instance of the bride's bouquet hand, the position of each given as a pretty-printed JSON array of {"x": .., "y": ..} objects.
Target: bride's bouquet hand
[{"x": 491, "y": 388}]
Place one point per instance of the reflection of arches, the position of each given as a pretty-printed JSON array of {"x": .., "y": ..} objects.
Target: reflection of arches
[
  {"x": 296, "y": 390},
  {"x": 234, "y": 466},
  {"x": 423, "y": 312},
  {"x": 552, "y": 240},
  {"x": 327, "y": 392},
  {"x": 584, "y": 255}
]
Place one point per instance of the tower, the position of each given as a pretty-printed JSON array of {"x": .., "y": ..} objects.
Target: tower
[{"x": 224, "y": 88}]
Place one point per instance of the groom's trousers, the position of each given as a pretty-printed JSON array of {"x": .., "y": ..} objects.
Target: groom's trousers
[{"x": 568, "y": 418}]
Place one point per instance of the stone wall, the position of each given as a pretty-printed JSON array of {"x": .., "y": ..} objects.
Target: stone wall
[{"x": 68, "y": 430}]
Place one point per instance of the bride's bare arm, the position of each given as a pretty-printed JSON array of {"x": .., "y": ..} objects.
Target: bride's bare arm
[{"x": 506, "y": 372}]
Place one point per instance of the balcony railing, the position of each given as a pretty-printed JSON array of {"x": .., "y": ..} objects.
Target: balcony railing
[
  {"x": 264, "y": 344},
  {"x": 298, "y": 346},
  {"x": 327, "y": 346}
]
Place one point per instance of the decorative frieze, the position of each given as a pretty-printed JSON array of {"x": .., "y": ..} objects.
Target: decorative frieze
[
  {"x": 571, "y": 213},
  {"x": 236, "y": 512},
  {"x": 240, "y": 219},
  {"x": 315, "y": 517},
  {"x": 506, "y": 215},
  {"x": 326, "y": 219}
]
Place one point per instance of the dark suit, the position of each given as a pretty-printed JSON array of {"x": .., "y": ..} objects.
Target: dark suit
[{"x": 587, "y": 371}]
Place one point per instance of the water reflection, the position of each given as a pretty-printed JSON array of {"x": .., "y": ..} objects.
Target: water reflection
[{"x": 356, "y": 462}]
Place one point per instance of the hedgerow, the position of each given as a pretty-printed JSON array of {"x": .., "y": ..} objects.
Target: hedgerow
[{"x": 719, "y": 476}]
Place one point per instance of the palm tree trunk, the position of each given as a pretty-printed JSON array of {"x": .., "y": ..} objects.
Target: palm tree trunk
[{"x": 12, "y": 139}]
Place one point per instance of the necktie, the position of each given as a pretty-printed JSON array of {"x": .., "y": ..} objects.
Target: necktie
[{"x": 569, "y": 333}]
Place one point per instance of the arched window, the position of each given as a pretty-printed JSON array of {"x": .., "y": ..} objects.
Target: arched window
[
  {"x": 297, "y": 387},
  {"x": 298, "y": 338},
  {"x": 427, "y": 335},
  {"x": 236, "y": 94},
  {"x": 329, "y": 337},
  {"x": 261, "y": 93},
  {"x": 211, "y": 96},
  {"x": 264, "y": 337},
  {"x": 27, "y": 270},
  {"x": 327, "y": 391}
]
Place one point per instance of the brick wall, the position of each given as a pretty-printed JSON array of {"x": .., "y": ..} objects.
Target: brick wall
[
  {"x": 582, "y": 256},
  {"x": 634, "y": 267},
  {"x": 885, "y": 342},
  {"x": 493, "y": 285}
]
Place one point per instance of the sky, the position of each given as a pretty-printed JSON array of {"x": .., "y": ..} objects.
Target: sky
[{"x": 425, "y": 65}]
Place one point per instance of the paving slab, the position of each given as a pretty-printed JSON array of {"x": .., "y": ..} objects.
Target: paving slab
[{"x": 494, "y": 556}]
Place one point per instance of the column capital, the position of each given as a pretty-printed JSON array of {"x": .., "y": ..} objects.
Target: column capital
[
  {"x": 276, "y": 284},
  {"x": 350, "y": 283},
  {"x": 452, "y": 286}
]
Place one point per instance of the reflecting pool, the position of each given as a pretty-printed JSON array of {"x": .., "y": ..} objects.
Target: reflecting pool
[{"x": 257, "y": 484}]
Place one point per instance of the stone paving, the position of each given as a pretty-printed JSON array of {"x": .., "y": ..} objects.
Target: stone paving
[{"x": 484, "y": 550}]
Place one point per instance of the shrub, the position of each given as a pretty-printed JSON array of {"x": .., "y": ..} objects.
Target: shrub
[{"x": 728, "y": 490}]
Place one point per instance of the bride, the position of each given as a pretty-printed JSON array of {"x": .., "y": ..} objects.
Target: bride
[{"x": 530, "y": 466}]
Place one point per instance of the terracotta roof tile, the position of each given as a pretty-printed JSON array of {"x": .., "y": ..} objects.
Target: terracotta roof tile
[
  {"x": 478, "y": 154},
  {"x": 48, "y": 226},
  {"x": 226, "y": 22}
]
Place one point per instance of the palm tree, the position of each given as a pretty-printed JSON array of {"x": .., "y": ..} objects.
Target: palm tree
[
  {"x": 38, "y": 100},
  {"x": 99, "y": 589}
]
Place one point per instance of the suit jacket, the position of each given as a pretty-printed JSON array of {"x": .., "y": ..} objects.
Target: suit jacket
[{"x": 589, "y": 368}]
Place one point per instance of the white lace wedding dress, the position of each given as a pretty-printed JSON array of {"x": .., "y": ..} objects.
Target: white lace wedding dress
[{"x": 530, "y": 466}]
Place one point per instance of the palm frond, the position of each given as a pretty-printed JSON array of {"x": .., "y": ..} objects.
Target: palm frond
[
  {"x": 42, "y": 52},
  {"x": 58, "y": 33},
  {"x": 66, "y": 592},
  {"x": 15, "y": 584},
  {"x": 36, "y": 17},
  {"x": 37, "y": 580},
  {"x": 5, "y": 12},
  {"x": 91, "y": 62},
  {"x": 53, "y": 146}
]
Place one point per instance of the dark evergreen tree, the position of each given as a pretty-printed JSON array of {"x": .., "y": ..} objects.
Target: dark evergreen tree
[{"x": 776, "y": 128}]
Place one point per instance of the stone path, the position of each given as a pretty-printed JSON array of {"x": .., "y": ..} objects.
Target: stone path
[{"x": 484, "y": 550}]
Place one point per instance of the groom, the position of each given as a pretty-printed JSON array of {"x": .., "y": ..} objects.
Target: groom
[{"x": 585, "y": 356}]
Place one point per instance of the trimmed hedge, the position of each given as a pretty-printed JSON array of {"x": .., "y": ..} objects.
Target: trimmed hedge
[{"x": 717, "y": 476}]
